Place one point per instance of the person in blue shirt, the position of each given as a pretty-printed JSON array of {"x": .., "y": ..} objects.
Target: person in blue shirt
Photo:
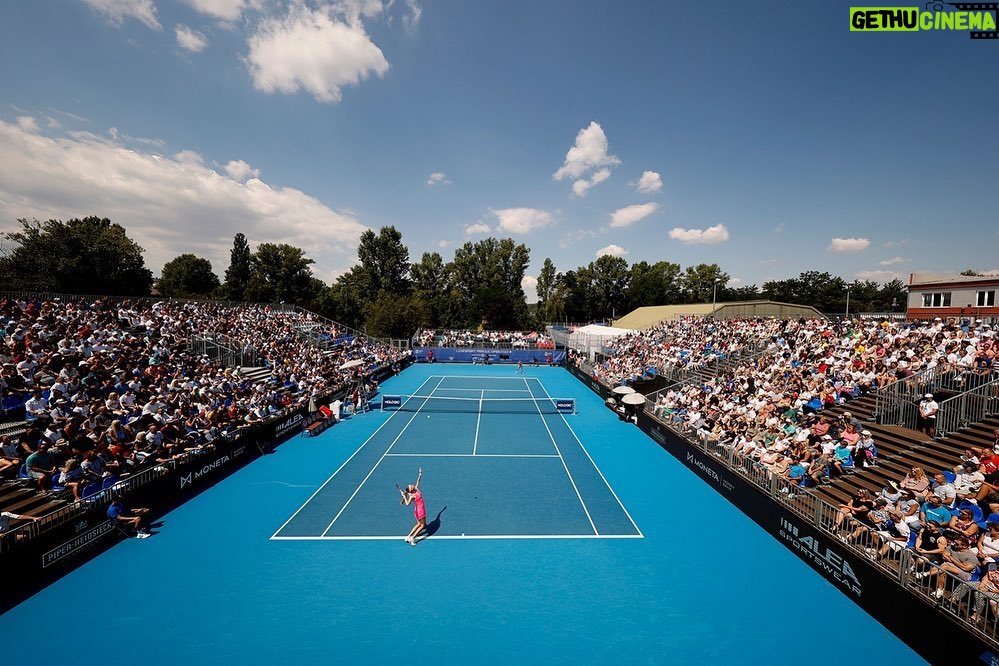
[{"x": 130, "y": 518}]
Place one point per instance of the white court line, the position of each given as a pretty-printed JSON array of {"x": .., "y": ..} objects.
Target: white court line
[
  {"x": 372, "y": 436},
  {"x": 368, "y": 475},
  {"x": 478, "y": 420},
  {"x": 439, "y": 390},
  {"x": 471, "y": 455},
  {"x": 595, "y": 466},
  {"x": 474, "y": 537},
  {"x": 564, "y": 466}
]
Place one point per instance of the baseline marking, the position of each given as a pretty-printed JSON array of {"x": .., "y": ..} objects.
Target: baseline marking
[
  {"x": 476, "y": 537},
  {"x": 470, "y": 455}
]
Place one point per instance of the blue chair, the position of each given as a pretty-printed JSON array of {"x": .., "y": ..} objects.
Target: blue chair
[
  {"x": 56, "y": 486},
  {"x": 91, "y": 491},
  {"x": 993, "y": 518},
  {"x": 108, "y": 482},
  {"x": 12, "y": 405},
  {"x": 23, "y": 473}
]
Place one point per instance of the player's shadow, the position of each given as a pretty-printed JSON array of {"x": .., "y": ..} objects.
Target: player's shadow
[{"x": 434, "y": 525}]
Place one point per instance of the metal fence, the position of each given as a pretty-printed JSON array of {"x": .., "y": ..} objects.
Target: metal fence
[
  {"x": 898, "y": 403},
  {"x": 966, "y": 408},
  {"x": 225, "y": 349}
]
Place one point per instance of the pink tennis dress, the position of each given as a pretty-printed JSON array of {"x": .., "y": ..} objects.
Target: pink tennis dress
[{"x": 418, "y": 509}]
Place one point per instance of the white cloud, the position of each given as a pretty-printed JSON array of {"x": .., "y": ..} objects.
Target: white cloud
[
  {"x": 530, "y": 286},
  {"x": 438, "y": 178},
  {"x": 629, "y": 215},
  {"x": 189, "y": 39},
  {"x": 116, "y": 11},
  {"x": 575, "y": 236},
  {"x": 224, "y": 10},
  {"x": 878, "y": 276},
  {"x": 444, "y": 243},
  {"x": 477, "y": 228},
  {"x": 411, "y": 20},
  {"x": 580, "y": 186},
  {"x": 710, "y": 236},
  {"x": 168, "y": 205},
  {"x": 650, "y": 182},
  {"x": 27, "y": 123},
  {"x": 849, "y": 244},
  {"x": 892, "y": 261},
  {"x": 522, "y": 220},
  {"x": 613, "y": 250},
  {"x": 315, "y": 51},
  {"x": 589, "y": 152},
  {"x": 769, "y": 262},
  {"x": 240, "y": 171},
  {"x": 779, "y": 228},
  {"x": 897, "y": 243}
]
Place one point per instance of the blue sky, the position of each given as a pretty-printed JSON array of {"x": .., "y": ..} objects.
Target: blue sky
[{"x": 762, "y": 136}]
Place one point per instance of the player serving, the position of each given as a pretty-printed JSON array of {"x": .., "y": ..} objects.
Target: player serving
[{"x": 413, "y": 495}]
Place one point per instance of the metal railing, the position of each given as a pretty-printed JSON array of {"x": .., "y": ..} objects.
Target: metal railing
[
  {"x": 898, "y": 403},
  {"x": 225, "y": 349},
  {"x": 967, "y": 408}
]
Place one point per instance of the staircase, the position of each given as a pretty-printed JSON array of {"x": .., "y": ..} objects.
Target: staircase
[{"x": 255, "y": 374}]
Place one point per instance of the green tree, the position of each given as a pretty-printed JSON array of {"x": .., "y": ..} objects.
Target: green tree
[
  {"x": 701, "y": 281},
  {"x": 395, "y": 316},
  {"x": 280, "y": 272},
  {"x": 187, "y": 275},
  {"x": 546, "y": 290},
  {"x": 658, "y": 284},
  {"x": 384, "y": 262},
  {"x": 237, "y": 276},
  {"x": 342, "y": 302},
  {"x": 79, "y": 256},
  {"x": 431, "y": 286},
  {"x": 610, "y": 286},
  {"x": 487, "y": 279}
]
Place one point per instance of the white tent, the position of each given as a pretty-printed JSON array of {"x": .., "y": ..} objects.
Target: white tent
[{"x": 589, "y": 339}]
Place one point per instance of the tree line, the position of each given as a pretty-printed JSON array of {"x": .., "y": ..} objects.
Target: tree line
[{"x": 390, "y": 296}]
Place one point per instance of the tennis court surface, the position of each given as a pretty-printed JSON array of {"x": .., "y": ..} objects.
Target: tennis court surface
[
  {"x": 702, "y": 585},
  {"x": 501, "y": 461}
]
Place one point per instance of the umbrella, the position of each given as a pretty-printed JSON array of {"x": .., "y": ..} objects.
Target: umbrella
[
  {"x": 351, "y": 364},
  {"x": 633, "y": 399},
  {"x": 623, "y": 390}
]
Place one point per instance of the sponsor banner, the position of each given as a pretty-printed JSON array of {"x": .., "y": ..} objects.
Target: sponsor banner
[
  {"x": 77, "y": 543},
  {"x": 806, "y": 542},
  {"x": 289, "y": 426},
  {"x": 391, "y": 401},
  {"x": 565, "y": 405},
  {"x": 189, "y": 477},
  {"x": 528, "y": 357}
]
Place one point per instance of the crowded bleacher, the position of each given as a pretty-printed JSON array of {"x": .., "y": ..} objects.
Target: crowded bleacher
[
  {"x": 100, "y": 389},
  {"x": 783, "y": 415}
]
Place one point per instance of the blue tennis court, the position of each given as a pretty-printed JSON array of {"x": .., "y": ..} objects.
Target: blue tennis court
[
  {"x": 663, "y": 571},
  {"x": 502, "y": 462}
]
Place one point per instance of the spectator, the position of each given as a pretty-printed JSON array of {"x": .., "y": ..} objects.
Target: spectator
[
  {"x": 129, "y": 519},
  {"x": 7, "y": 516},
  {"x": 41, "y": 466},
  {"x": 72, "y": 476}
]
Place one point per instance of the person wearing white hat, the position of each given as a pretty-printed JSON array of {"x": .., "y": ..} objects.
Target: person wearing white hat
[{"x": 928, "y": 415}]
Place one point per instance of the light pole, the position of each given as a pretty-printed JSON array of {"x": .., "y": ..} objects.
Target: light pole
[
  {"x": 849, "y": 285},
  {"x": 714, "y": 294}
]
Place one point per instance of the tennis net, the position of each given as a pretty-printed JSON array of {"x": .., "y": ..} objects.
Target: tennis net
[{"x": 447, "y": 404}]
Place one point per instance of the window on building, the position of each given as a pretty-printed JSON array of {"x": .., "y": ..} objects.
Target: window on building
[
  {"x": 937, "y": 300},
  {"x": 986, "y": 299}
]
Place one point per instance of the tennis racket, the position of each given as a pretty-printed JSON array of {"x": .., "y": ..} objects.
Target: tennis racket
[{"x": 401, "y": 493}]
